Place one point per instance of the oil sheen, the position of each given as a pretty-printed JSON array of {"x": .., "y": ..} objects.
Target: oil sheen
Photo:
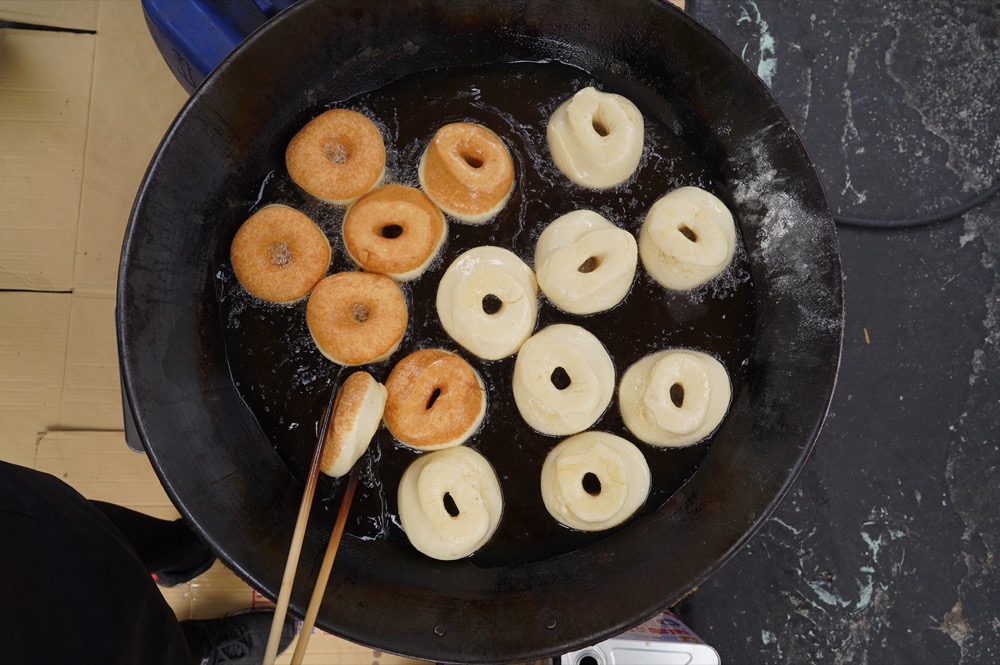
[{"x": 286, "y": 382}]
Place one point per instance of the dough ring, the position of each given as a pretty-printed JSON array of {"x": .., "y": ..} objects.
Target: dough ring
[
  {"x": 675, "y": 397},
  {"x": 596, "y": 138},
  {"x": 688, "y": 238},
  {"x": 563, "y": 380},
  {"x": 468, "y": 171},
  {"x": 584, "y": 263},
  {"x": 450, "y": 503},
  {"x": 435, "y": 400},
  {"x": 594, "y": 481},
  {"x": 357, "y": 413},
  {"x": 394, "y": 230},
  {"x": 487, "y": 301},
  {"x": 337, "y": 156},
  {"x": 356, "y": 317},
  {"x": 279, "y": 255}
]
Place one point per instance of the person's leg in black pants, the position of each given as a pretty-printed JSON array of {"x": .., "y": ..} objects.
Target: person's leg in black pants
[
  {"x": 73, "y": 588},
  {"x": 169, "y": 550}
]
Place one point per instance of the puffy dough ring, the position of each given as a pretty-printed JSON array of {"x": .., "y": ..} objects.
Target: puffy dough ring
[
  {"x": 279, "y": 255},
  {"x": 594, "y": 481},
  {"x": 596, "y": 138},
  {"x": 467, "y": 171},
  {"x": 357, "y": 413},
  {"x": 487, "y": 301},
  {"x": 394, "y": 230},
  {"x": 584, "y": 263},
  {"x": 450, "y": 503},
  {"x": 356, "y": 317},
  {"x": 675, "y": 397},
  {"x": 563, "y": 380},
  {"x": 435, "y": 400},
  {"x": 337, "y": 156},
  {"x": 688, "y": 238}
]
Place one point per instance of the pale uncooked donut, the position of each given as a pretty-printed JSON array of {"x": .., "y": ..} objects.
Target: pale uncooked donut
[
  {"x": 675, "y": 397},
  {"x": 462, "y": 301},
  {"x": 596, "y": 138},
  {"x": 467, "y": 479},
  {"x": 594, "y": 481},
  {"x": 575, "y": 407},
  {"x": 357, "y": 413},
  {"x": 584, "y": 263},
  {"x": 688, "y": 238}
]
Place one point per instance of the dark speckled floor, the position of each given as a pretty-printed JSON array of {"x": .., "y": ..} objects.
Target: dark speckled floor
[{"x": 887, "y": 550}]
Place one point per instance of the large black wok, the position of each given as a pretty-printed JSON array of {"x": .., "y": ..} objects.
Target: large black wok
[{"x": 241, "y": 494}]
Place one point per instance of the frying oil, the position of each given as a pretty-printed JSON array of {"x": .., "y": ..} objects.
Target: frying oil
[{"x": 286, "y": 382}]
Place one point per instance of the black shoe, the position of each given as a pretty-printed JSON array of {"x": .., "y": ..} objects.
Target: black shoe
[{"x": 240, "y": 639}]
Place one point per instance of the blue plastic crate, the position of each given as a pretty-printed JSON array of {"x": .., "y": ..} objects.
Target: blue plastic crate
[{"x": 195, "y": 35}]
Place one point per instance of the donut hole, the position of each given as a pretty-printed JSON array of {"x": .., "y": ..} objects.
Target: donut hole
[
  {"x": 279, "y": 254},
  {"x": 560, "y": 379},
  {"x": 491, "y": 304},
  {"x": 449, "y": 505},
  {"x": 591, "y": 484},
  {"x": 677, "y": 395},
  {"x": 359, "y": 312},
  {"x": 336, "y": 152},
  {"x": 599, "y": 127},
  {"x": 590, "y": 265},
  {"x": 433, "y": 398},
  {"x": 391, "y": 231},
  {"x": 688, "y": 233},
  {"x": 472, "y": 159}
]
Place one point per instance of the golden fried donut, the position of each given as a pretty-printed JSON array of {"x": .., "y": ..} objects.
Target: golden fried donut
[
  {"x": 467, "y": 171},
  {"x": 394, "y": 230},
  {"x": 278, "y": 254},
  {"x": 594, "y": 481},
  {"x": 337, "y": 156},
  {"x": 357, "y": 413},
  {"x": 450, "y": 503},
  {"x": 435, "y": 400},
  {"x": 675, "y": 397},
  {"x": 356, "y": 317}
]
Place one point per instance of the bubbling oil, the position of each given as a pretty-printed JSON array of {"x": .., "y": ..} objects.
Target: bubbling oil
[{"x": 286, "y": 382}]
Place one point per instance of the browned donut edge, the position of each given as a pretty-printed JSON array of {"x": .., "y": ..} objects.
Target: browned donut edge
[{"x": 333, "y": 319}]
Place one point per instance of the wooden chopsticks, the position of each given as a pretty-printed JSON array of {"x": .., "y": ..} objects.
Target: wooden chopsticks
[
  {"x": 298, "y": 536},
  {"x": 324, "y": 571}
]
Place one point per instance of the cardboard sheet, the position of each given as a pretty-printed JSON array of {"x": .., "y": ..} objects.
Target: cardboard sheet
[
  {"x": 69, "y": 170},
  {"x": 32, "y": 357},
  {"x": 135, "y": 97},
  {"x": 91, "y": 395},
  {"x": 99, "y": 466},
  {"x": 77, "y": 14},
  {"x": 44, "y": 105}
]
